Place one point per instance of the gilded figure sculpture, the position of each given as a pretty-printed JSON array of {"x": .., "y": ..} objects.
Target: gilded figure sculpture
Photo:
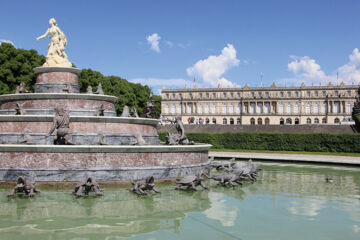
[{"x": 56, "y": 56}]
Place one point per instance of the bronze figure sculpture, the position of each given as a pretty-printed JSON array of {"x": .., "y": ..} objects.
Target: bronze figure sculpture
[
  {"x": 83, "y": 188},
  {"x": 100, "y": 110},
  {"x": 24, "y": 186},
  {"x": 141, "y": 186},
  {"x": 19, "y": 109},
  {"x": 191, "y": 182},
  {"x": 180, "y": 137},
  {"x": 149, "y": 111},
  {"x": 61, "y": 124}
]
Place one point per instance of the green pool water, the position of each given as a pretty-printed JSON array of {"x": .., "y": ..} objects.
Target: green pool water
[{"x": 289, "y": 201}]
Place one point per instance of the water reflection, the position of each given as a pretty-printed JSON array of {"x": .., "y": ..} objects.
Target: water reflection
[{"x": 284, "y": 197}]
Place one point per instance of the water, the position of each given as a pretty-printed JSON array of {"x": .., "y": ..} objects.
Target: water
[{"x": 288, "y": 201}]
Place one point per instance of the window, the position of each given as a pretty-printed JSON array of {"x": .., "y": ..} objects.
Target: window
[
  {"x": 297, "y": 94},
  {"x": 308, "y": 121},
  {"x": 281, "y": 109},
  {"x": 200, "y": 109},
  {"x": 214, "y": 120},
  {"x": 281, "y": 121},
  {"x": 296, "y": 108},
  {"x": 224, "y": 121},
  {"x": 173, "y": 108},
  {"x": 224, "y": 109},
  {"x": 191, "y": 96},
  {"x": 252, "y": 121},
  {"x": 224, "y": 94},
  {"x": 323, "y": 120},
  {"x": 253, "y": 94},
  {"x": 267, "y": 121},
  {"x": 281, "y": 94},
  {"x": 324, "y": 93},
  {"x": 252, "y": 108},
  {"x": 200, "y": 95},
  {"x": 259, "y": 108},
  {"x": 288, "y": 121},
  {"x": 308, "y": 108},
  {"x": 267, "y": 94},
  {"x": 207, "y": 95},
  {"x": 214, "y": 95},
  {"x": 336, "y": 107},
  {"x": 267, "y": 108},
  {"x": 349, "y": 93},
  {"x": 259, "y": 121},
  {"x": 238, "y": 95},
  {"x": 232, "y": 95},
  {"x": 231, "y": 109},
  {"x": 173, "y": 95},
  {"x": 308, "y": 94},
  {"x": 260, "y": 94},
  {"x": 207, "y": 108},
  {"x": 213, "y": 109},
  {"x": 167, "y": 109},
  {"x": 316, "y": 94},
  {"x": 288, "y": 109},
  {"x": 207, "y": 120},
  {"x": 297, "y": 121},
  {"x": 167, "y": 96},
  {"x": 348, "y": 107},
  {"x": 324, "y": 108},
  {"x": 179, "y": 109},
  {"x": 190, "y": 108},
  {"x": 337, "y": 120},
  {"x": 289, "y": 94},
  {"x": 316, "y": 108},
  {"x": 238, "y": 121},
  {"x": 238, "y": 108},
  {"x": 231, "y": 121},
  {"x": 337, "y": 93},
  {"x": 316, "y": 121}
]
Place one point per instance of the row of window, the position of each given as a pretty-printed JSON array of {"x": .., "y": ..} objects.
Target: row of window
[
  {"x": 259, "y": 108},
  {"x": 259, "y": 121},
  {"x": 258, "y": 94}
]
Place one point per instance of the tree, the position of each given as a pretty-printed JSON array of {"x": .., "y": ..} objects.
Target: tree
[{"x": 16, "y": 66}]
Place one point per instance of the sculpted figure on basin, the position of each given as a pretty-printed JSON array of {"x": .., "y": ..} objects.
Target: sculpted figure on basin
[
  {"x": 56, "y": 56},
  {"x": 61, "y": 124},
  {"x": 24, "y": 186}
]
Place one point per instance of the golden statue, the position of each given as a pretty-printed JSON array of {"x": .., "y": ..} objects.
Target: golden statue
[{"x": 56, "y": 56}]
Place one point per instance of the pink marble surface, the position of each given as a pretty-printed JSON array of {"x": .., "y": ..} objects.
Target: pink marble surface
[
  {"x": 66, "y": 77},
  {"x": 98, "y": 160},
  {"x": 67, "y": 103}
]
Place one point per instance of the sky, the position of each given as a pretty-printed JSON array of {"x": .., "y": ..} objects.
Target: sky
[{"x": 228, "y": 42}]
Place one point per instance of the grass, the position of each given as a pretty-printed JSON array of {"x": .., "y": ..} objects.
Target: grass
[{"x": 289, "y": 152}]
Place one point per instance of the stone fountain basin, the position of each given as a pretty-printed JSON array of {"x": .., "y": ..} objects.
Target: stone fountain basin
[
  {"x": 54, "y": 163},
  {"x": 85, "y": 129}
]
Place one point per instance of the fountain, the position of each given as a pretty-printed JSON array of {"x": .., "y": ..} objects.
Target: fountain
[{"x": 106, "y": 147}]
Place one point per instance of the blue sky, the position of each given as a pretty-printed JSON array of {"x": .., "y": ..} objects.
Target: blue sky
[{"x": 228, "y": 42}]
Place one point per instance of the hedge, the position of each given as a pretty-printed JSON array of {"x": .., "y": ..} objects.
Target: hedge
[{"x": 311, "y": 142}]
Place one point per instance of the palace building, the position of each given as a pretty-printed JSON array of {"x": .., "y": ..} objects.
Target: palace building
[{"x": 261, "y": 105}]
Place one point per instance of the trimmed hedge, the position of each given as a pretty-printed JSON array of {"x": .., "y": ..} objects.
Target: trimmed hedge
[{"x": 313, "y": 142}]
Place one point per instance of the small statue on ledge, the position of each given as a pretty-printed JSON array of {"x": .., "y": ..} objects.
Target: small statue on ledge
[
  {"x": 21, "y": 88},
  {"x": 85, "y": 187},
  {"x": 24, "y": 186},
  {"x": 133, "y": 112},
  {"x": 68, "y": 88},
  {"x": 149, "y": 111},
  {"x": 61, "y": 124},
  {"x": 27, "y": 138},
  {"x": 126, "y": 112},
  {"x": 99, "y": 90},
  {"x": 180, "y": 137},
  {"x": 19, "y": 109},
  {"x": 100, "y": 110},
  {"x": 89, "y": 90},
  {"x": 140, "y": 186}
]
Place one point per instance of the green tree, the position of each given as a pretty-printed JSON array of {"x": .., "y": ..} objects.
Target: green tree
[{"x": 16, "y": 66}]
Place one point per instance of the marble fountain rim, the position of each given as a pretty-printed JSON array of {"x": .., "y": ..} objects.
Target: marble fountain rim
[
  {"x": 104, "y": 148},
  {"x": 99, "y": 119},
  {"x": 46, "y": 96},
  {"x": 39, "y": 70}
]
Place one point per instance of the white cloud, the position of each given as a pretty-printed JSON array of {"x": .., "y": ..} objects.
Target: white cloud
[
  {"x": 210, "y": 70},
  {"x": 6, "y": 41},
  {"x": 306, "y": 69},
  {"x": 169, "y": 44},
  {"x": 153, "y": 40}
]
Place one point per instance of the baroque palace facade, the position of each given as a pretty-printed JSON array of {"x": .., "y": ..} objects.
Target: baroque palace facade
[{"x": 258, "y": 106}]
